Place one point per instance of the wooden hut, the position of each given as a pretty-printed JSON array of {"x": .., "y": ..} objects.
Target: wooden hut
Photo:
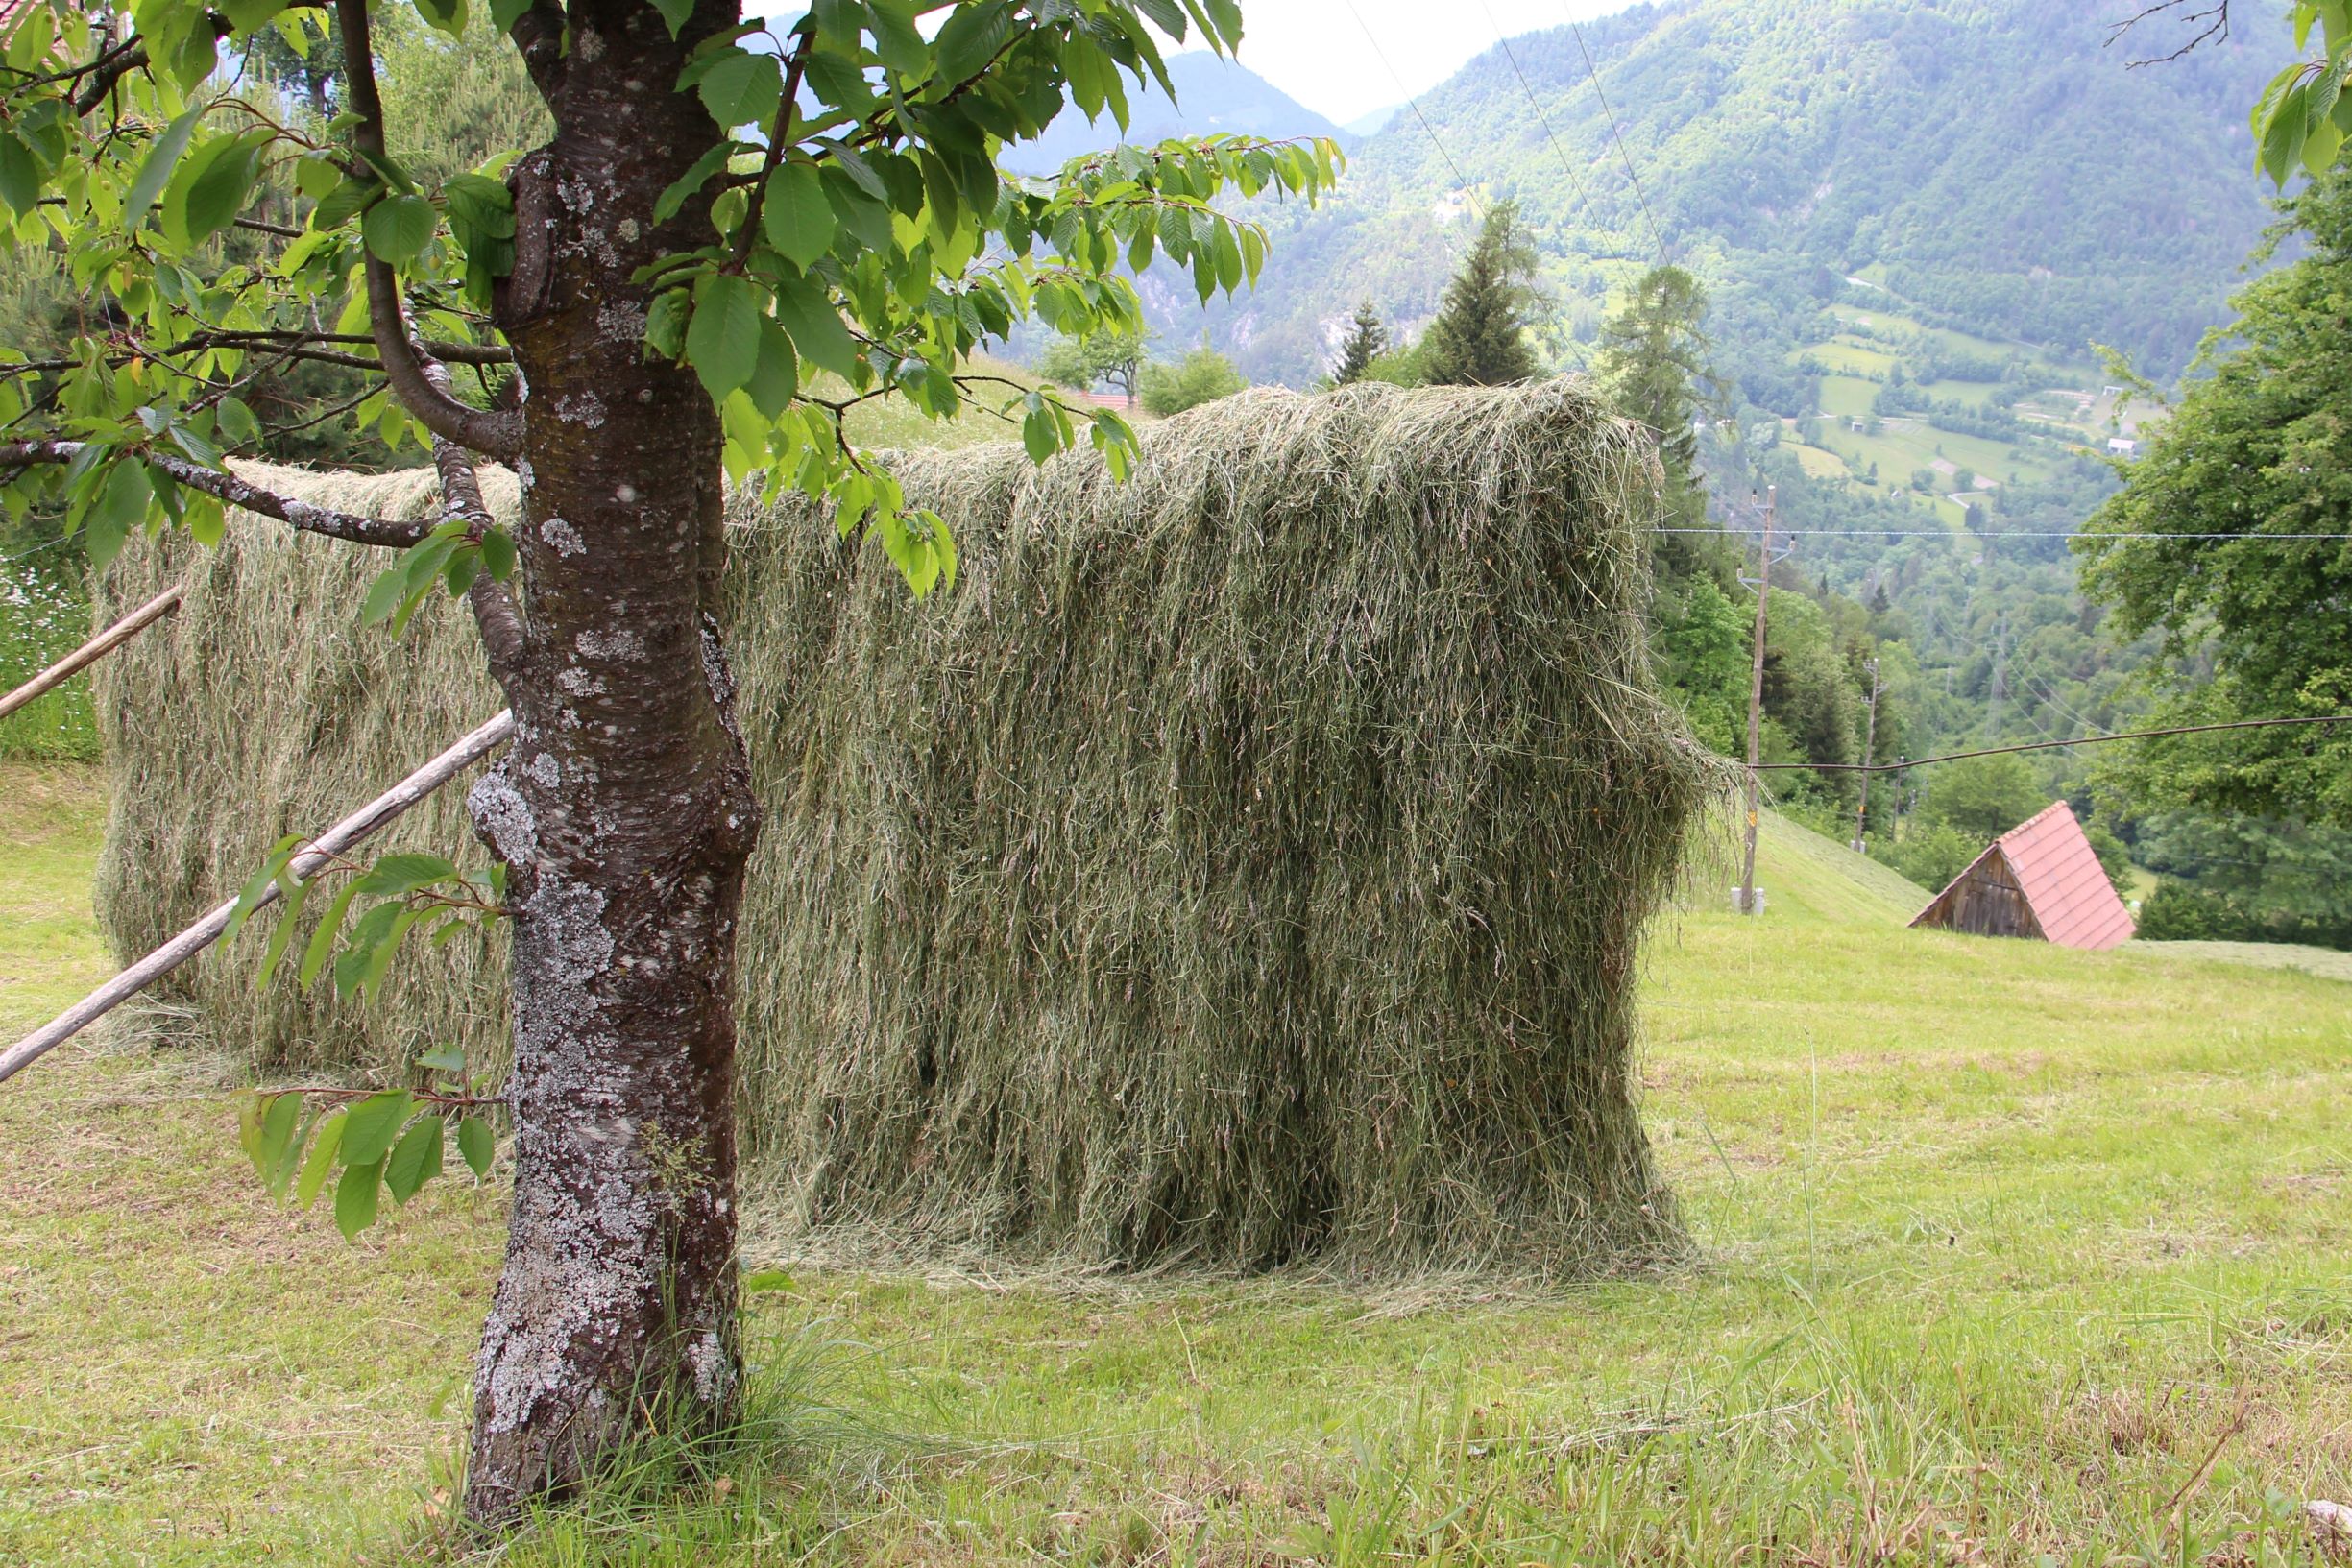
[{"x": 2040, "y": 879}]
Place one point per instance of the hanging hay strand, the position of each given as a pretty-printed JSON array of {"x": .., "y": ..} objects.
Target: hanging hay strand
[{"x": 1245, "y": 864}]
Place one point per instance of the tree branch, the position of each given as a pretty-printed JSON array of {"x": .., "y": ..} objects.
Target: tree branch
[
  {"x": 2214, "y": 18},
  {"x": 390, "y": 532},
  {"x": 494, "y": 616},
  {"x": 499, "y": 434},
  {"x": 538, "y": 36}
]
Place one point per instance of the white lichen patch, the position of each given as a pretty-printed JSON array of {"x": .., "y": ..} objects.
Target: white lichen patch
[
  {"x": 620, "y": 321},
  {"x": 712, "y": 1367},
  {"x": 582, "y": 408},
  {"x": 622, "y": 644},
  {"x": 576, "y": 682},
  {"x": 569, "y": 917},
  {"x": 504, "y": 817},
  {"x": 563, "y": 537},
  {"x": 546, "y": 770}
]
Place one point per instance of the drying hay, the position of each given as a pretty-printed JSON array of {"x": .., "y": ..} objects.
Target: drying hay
[{"x": 1245, "y": 864}]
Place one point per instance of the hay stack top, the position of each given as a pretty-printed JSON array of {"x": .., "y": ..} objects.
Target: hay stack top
[{"x": 2041, "y": 879}]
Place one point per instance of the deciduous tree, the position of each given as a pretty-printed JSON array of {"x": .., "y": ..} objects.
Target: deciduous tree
[{"x": 734, "y": 233}]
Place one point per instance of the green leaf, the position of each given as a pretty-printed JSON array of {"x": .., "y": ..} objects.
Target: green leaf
[
  {"x": 355, "y": 1196},
  {"x": 279, "y": 1115},
  {"x": 972, "y": 37},
  {"x": 722, "y": 341},
  {"x": 760, "y": 1282},
  {"x": 448, "y": 1059},
  {"x": 808, "y": 313},
  {"x": 282, "y": 934},
  {"x": 323, "y": 940},
  {"x": 397, "y": 227},
  {"x": 20, "y": 174},
  {"x": 713, "y": 159},
  {"x": 156, "y": 170},
  {"x": 475, "y": 1146},
  {"x": 218, "y": 179},
  {"x": 119, "y": 507},
  {"x": 796, "y": 218},
  {"x": 236, "y": 421},
  {"x": 481, "y": 203},
  {"x": 395, "y": 875},
  {"x": 498, "y": 554},
  {"x": 776, "y": 378},
  {"x": 321, "y": 1159},
  {"x": 344, "y": 202},
  {"x": 448, "y": 15},
  {"x": 374, "y": 942},
  {"x": 375, "y": 1121},
  {"x": 665, "y": 323},
  {"x": 416, "y": 1160},
  {"x": 743, "y": 88},
  {"x": 674, "y": 13},
  {"x": 281, "y": 854}
]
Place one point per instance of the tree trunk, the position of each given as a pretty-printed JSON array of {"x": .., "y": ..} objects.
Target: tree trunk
[{"x": 624, "y": 808}]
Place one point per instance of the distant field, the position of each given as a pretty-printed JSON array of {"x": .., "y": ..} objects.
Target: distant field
[
  {"x": 2004, "y": 1254},
  {"x": 1859, "y": 364}
]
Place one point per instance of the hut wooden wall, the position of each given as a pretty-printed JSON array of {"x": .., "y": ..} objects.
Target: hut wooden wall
[{"x": 1984, "y": 899}]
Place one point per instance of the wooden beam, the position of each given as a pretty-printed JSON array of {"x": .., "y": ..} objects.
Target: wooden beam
[
  {"x": 95, "y": 649},
  {"x": 383, "y": 808}
]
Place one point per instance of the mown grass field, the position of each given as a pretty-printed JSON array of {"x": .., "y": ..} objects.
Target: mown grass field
[{"x": 2003, "y": 1254}]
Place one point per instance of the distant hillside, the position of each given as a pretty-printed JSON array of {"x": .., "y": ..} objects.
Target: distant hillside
[
  {"x": 1214, "y": 97},
  {"x": 1990, "y": 161}
]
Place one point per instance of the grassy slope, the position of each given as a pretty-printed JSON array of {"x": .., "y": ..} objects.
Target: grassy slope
[{"x": 1999, "y": 1244}]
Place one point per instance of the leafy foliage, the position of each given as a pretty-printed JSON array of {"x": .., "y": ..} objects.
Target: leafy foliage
[
  {"x": 2251, "y": 453},
  {"x": 1201, "y": 376},
  {"x": 390, "y": 1140}
]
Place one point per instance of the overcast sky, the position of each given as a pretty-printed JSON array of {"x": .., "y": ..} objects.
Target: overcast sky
[
  {"x": 1316, "y": 50},
  {"x": 1319, "y": 52}
]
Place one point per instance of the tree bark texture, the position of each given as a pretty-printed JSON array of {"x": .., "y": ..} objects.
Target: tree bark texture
[{"x": 624, "y": 808}]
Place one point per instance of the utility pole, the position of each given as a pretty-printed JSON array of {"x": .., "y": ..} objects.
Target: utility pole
[
  {"x": 1870, "y": 747},
  {"x": 1755, "y": 703}
]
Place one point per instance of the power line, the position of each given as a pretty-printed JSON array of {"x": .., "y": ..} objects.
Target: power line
[
  {"x": 1414, "y": 103},
  {"x": 2046, "y": 745},
  {"x": 26, "y": 555},
  {"x": 1542, "y": 119},
  {"x": 1655, "y": 233}
]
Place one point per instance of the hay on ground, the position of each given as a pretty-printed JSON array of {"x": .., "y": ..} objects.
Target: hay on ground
[{"x": 1245, "y": 864}]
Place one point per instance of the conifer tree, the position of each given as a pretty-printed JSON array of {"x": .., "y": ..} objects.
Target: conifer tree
[
  {"x": 1653, "y": 364},
  {"x": 1480, "y": 336},
  {"x": 1367, "y": 341}
]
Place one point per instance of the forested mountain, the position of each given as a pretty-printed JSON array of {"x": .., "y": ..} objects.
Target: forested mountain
[
  {"x": 1994, "y": 161},
  {"x": 1214, "y": 96}
]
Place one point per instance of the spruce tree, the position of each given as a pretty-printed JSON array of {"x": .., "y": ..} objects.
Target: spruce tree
[
  {"x": 1480, "y": 336},
  {"x": 1367, "y": 341}
]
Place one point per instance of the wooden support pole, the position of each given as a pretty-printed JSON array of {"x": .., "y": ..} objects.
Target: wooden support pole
[
  {"x": 383, "y": 808},
  {"x": 1756, "y": 704},
  {"x": 95, "y": 649}
]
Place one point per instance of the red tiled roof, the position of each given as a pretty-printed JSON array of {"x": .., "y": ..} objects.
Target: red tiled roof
[{"x": 2063, "y": 882}]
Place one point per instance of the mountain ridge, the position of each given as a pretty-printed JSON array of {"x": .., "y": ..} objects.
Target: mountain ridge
[{"x": 2000, "y": 165}]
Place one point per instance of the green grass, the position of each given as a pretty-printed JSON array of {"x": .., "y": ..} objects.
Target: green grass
[{"x": 1998, "y": 1246}]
